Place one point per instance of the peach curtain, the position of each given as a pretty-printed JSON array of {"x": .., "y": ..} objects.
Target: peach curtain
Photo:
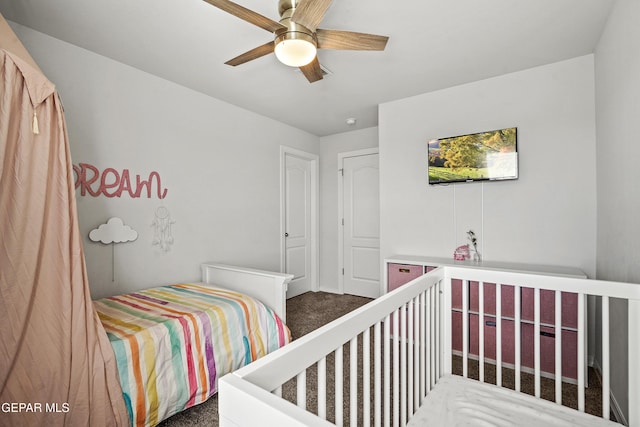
[{"x": 56, "y": 364}]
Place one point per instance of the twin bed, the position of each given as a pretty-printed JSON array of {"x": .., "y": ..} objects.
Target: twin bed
[{"x": 173, "y": 343}]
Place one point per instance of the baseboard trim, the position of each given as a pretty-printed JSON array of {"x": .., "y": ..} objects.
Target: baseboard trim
[
  {"x": 524, "y": 369},
  {"x": 330, "y": 291}
]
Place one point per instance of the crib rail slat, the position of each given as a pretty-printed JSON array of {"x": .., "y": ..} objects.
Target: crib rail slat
[
  {"x": 634, "y": 356},
  {"x": 410, "y": 353},
  {"x": 558, "y": 346},
  {"x": 403, "y": 365},
  {"x": 353, "y": 381},
  {"x": 338, "y": 391},
  {"x": 425, "y": 378},
  {"x": 396, "y": 369},
  {"x": 465, "y": 329},
  {"x": 431, "y": 339},
  {"x": 445, "y": 290},
  {"x": 416, "y": 353},
  {"x": 606, "y": 368},
  {"x": 481, "y": 323},
  {"x": 437, "y": 343},
  {"x": 377, "y": 377},
  {"x": 582, "y": 321},
  {"x": 387, "y": 372},
  {"x": 366, "y": 378},
  {"x": 322, "y": 388},
  {"x": 498, "y": 334},
  {"x": 536, "y": 341},
  {"x": 517, "y": 297}
]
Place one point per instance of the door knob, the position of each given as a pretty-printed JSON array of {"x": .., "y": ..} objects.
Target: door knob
[{"x": 286, "y": 234}]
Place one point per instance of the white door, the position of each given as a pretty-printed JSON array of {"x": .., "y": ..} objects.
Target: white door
[
  {"x": 299, "y": 194},
  {"x": 361, "y": 230}
]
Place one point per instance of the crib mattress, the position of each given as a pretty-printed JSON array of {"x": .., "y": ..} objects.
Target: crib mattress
[{"x": 458, "y": 401}]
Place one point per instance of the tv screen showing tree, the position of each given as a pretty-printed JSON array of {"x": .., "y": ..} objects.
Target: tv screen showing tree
[{"x": 480, "y": 156}]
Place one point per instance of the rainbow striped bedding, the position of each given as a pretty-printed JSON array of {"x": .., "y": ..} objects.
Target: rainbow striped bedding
[{"x": 172, "y": 343}]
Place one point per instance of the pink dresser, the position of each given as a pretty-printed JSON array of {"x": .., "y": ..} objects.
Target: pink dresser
[{"x": 402, "y": 269}]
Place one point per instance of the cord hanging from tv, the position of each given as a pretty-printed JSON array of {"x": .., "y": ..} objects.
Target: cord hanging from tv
[{"x": 483, "y": 156}]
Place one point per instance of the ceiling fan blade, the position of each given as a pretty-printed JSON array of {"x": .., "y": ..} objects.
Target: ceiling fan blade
[
  {"x": 255, "y": 53},
  {"x": 248, "y": 15},
  {"x": 348, "y": 40},
  {"x": 312, "y": 70},
  {"x": 310, "y": 13}
]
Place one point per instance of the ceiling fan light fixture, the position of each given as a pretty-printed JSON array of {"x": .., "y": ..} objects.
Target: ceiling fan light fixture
[{"x": 295, "y": 49}]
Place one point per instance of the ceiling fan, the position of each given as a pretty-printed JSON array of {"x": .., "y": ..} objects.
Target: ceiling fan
[{"x": 297, "y": 36}]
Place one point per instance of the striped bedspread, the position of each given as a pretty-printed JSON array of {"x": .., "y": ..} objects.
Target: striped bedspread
[{"x": 172, "y": 343}]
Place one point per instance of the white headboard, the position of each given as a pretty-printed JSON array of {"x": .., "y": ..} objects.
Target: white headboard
[{"x": 266, "y": 286}]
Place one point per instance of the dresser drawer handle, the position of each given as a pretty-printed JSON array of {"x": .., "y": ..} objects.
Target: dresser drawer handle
[{"x": 404, "y": 270}]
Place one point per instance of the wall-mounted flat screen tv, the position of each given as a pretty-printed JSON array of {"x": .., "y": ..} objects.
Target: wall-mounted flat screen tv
[{"x": 483, "y": 156}]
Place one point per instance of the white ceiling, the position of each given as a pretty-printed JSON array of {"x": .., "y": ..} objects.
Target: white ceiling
[{"x": 433, "y": 44}]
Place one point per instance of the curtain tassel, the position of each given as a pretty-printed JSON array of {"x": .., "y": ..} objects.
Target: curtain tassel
[{"x": 35, "y": 128}]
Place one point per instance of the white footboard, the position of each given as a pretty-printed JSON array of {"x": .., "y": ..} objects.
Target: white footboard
[
  {"x": 266, "y": 286},
  {"x": 377, "y": 364}
]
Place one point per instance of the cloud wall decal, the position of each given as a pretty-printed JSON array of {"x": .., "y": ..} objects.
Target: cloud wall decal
[{"x": 114, "y": 231}]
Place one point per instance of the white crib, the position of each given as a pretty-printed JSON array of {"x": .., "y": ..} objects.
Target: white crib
[{"x": 393, "y": 355}]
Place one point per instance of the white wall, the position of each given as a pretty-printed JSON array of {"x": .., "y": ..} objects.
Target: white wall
[
  {"x": 547, "y": 216},
  {"x": 618, "y": 108},
  {"x": 617, "y": 72},
  {"x": 219, "y": 163},
  {"x": 330, "y": 147}
]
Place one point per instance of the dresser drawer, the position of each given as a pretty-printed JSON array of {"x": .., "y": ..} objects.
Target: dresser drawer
[
  {"x": 489, "y": 293},
  {"x": 489, "y": 326},
  {"x": 569, "y": 308},
  {"x": 399, "y": 274},
  {"x": 547, "y": 350}
]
